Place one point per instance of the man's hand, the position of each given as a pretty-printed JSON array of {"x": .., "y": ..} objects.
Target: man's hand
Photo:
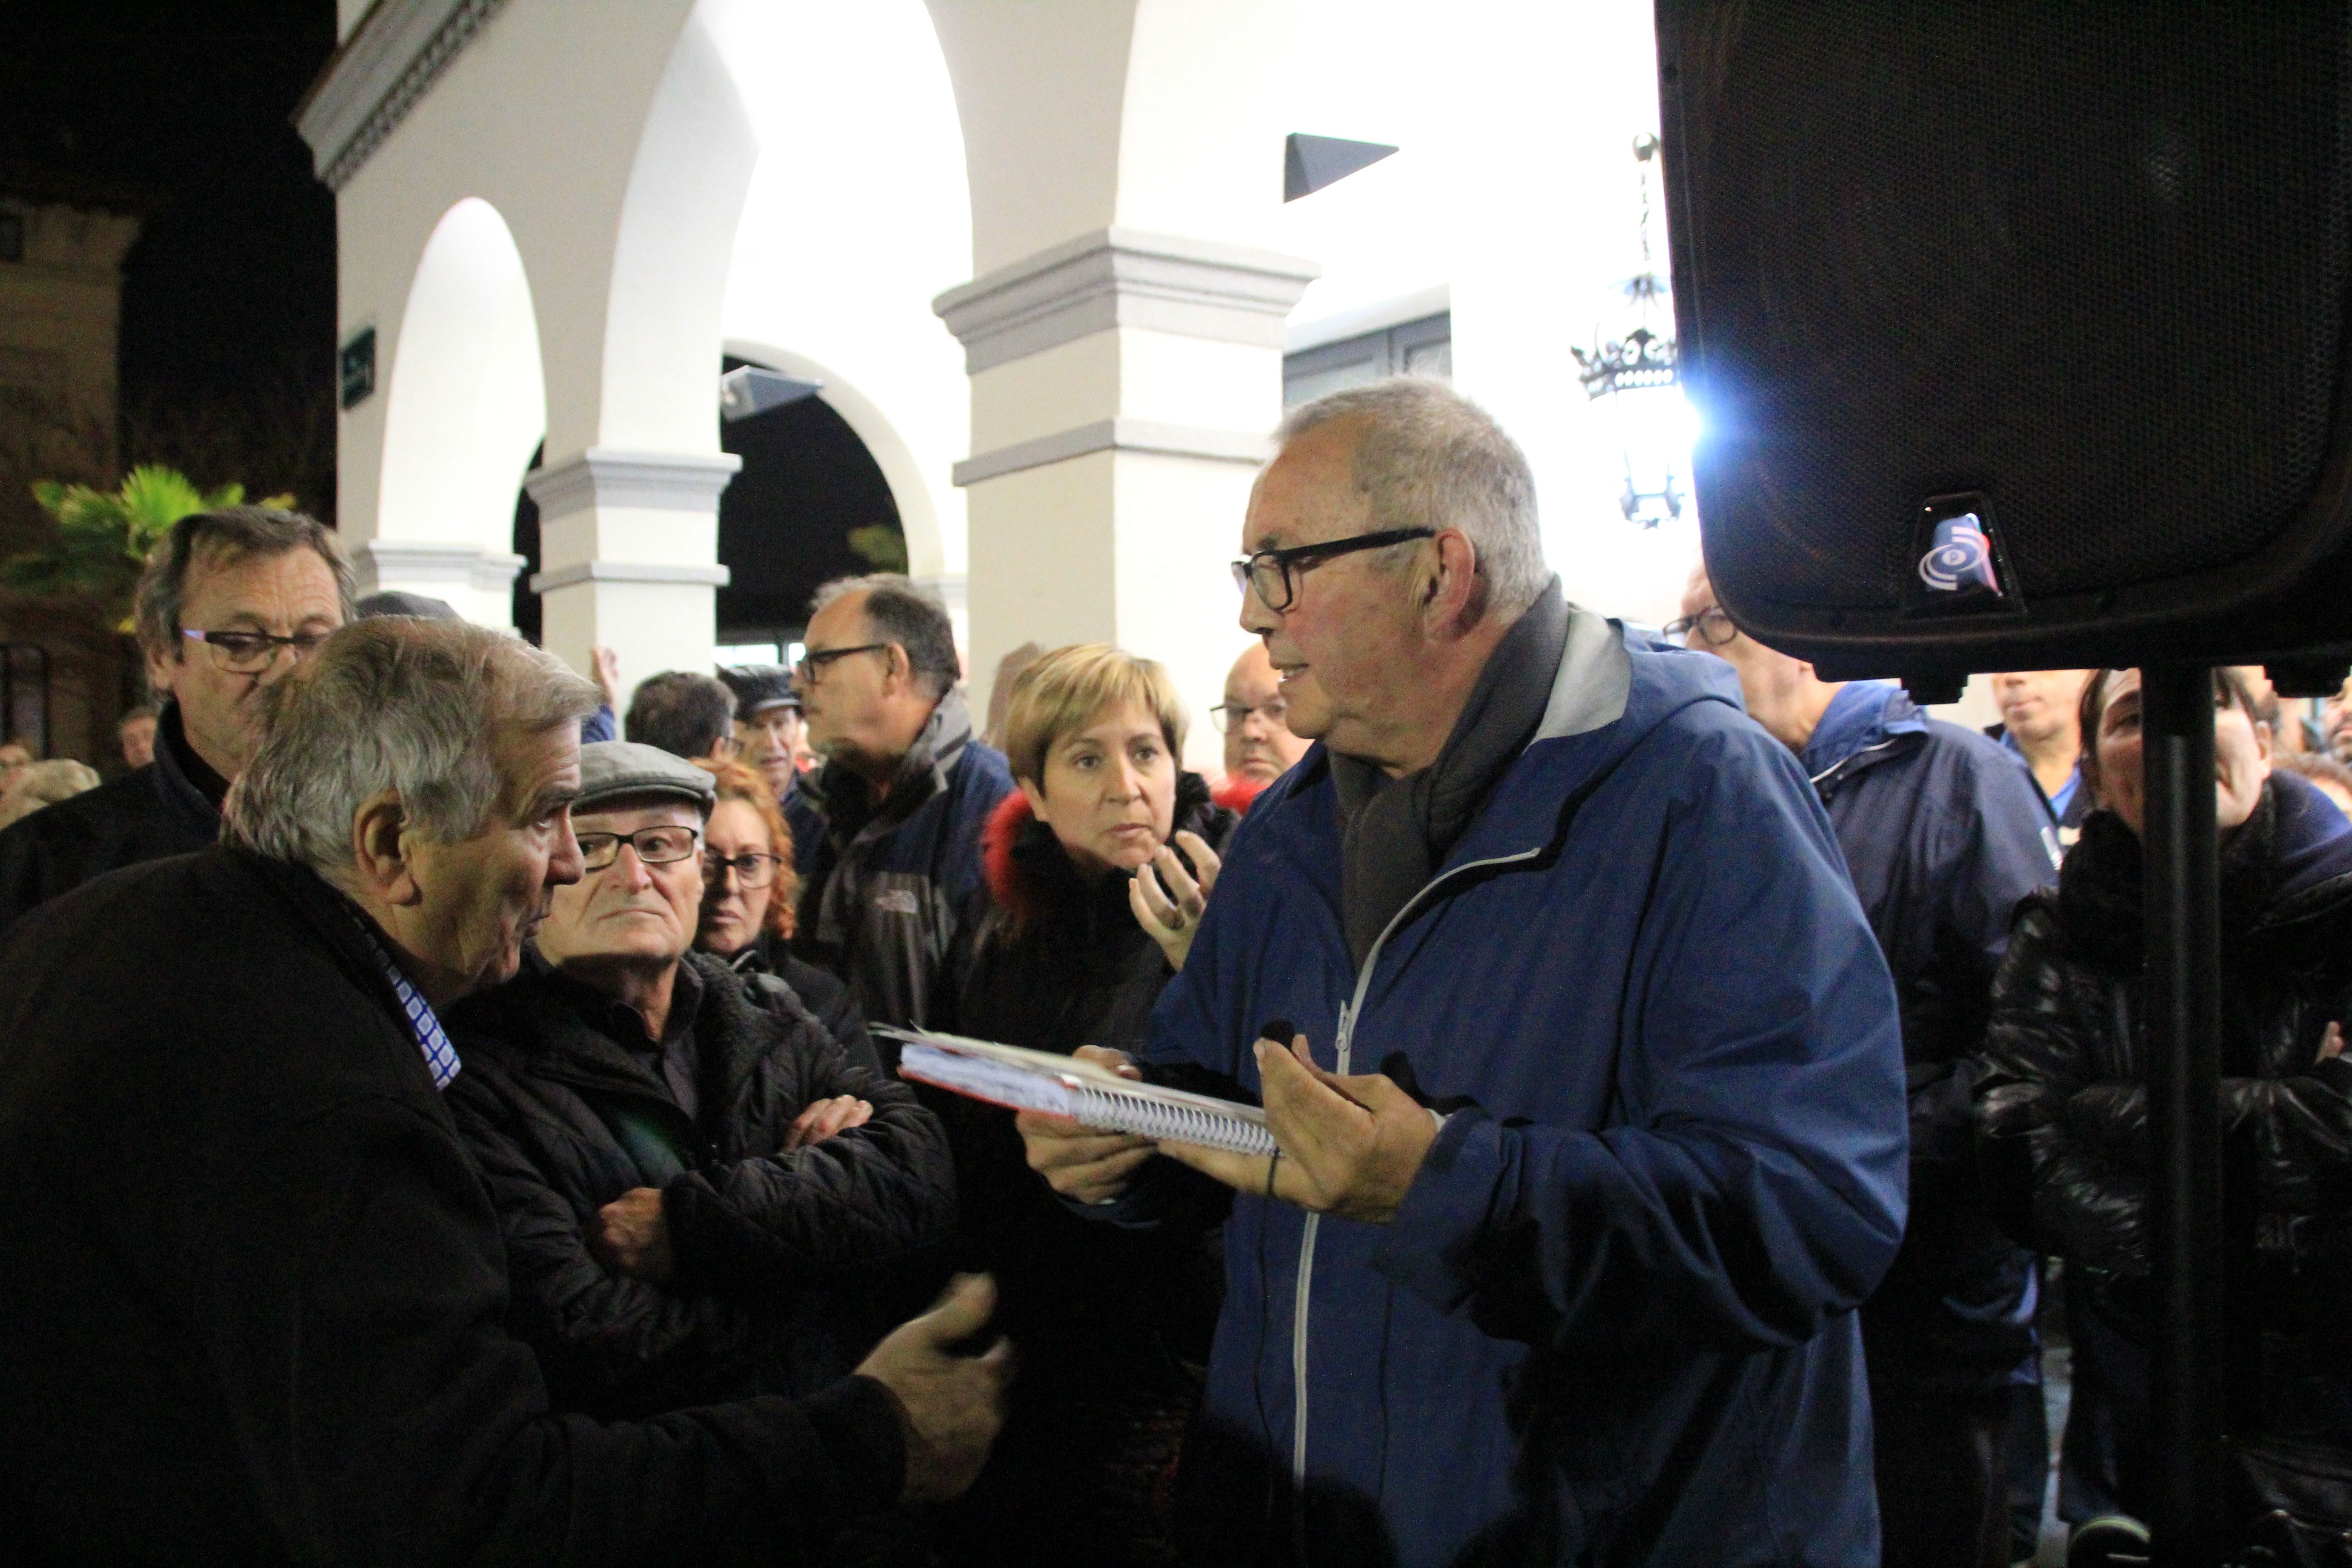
[
  {"x": 825, "y": 1118},
  {"x": 1080, "y": 1162},
  {"x": 606, "y": 663},
  {"x": 1350, "y": 1146},
  {"x": 951, "y": 1407},
  {"x": 1169, "y": 905},
  {"x": 633, "y": 1238}
]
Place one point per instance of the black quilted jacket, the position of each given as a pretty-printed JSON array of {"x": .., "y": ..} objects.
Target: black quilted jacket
[
  {"x": 771, "y": 1247},
  {"x": 2061, "y": 1110}
]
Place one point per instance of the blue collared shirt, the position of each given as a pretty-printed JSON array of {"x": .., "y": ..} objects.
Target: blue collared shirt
[
  {"x": 440, "y": 1055},
  {"x": 2065, "y": 796}
]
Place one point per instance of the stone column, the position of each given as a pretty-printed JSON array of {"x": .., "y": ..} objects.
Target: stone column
[
  {"x": 1123, "y": 387},
  {"x": 627, "y": 542}
]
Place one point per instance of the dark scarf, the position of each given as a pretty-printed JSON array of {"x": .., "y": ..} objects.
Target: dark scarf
[{"x": 1395, "y": 833}]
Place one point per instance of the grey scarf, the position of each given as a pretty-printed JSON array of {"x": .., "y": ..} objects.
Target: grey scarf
[{"x": 1395, "y": 833}]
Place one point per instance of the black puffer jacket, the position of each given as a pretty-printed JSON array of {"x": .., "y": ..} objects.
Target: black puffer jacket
[
  {"x": 1113, "y": 1323},
  {"x": 2063, "y": 1109},
  {"x": 563, "y": 1119}
]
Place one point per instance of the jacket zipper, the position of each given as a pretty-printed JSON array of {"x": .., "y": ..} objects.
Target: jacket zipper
[{"x": 1349, "y": 1012}]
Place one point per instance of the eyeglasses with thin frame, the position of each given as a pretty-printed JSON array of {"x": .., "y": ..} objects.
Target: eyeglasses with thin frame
[
  {"x": 663, "y": 846},
  {"x": 1229, "y": 717},
  {"x": 1711, "y": 626},
  {"x": 249, "y": 653},
  {"x": 753, "y": 871},
  {"x": 817, "y": 660},
  {"x": 1272, "y": 573}
]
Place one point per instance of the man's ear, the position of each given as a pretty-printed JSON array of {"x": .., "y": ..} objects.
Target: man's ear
[
  {"x": 380, "y": 862},
  {"x": 901, "y": 673},
  {"x": 1453, "y": 594},
  {"x": 162, "y": 670}
]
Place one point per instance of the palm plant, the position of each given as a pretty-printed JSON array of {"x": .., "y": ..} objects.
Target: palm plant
[{"x": 104, "y": 537}]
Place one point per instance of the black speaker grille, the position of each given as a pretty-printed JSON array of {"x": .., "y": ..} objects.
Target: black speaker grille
[{"x": 2089, "y": 257}]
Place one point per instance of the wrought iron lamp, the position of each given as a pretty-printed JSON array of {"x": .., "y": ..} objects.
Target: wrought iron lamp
[{"x": 1632, "y": 363}]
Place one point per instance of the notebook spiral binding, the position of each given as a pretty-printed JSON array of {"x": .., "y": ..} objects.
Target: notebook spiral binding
[{"x": 1183, "y": 1123}]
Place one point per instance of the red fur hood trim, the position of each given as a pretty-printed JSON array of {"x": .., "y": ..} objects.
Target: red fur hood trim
[{"x": 996, "y": 840}]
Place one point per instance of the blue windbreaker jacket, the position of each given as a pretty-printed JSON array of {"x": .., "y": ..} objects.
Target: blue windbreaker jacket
[{"x": 1614, "y": 1321}]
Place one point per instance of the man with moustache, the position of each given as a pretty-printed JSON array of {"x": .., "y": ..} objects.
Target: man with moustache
[
  {"x": 1584, "y": 1065},
  {"x": 256, "y": 1297}
]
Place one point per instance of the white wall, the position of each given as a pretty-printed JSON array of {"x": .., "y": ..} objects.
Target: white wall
[
  {"x": 858, "y": 214},
  {"x": 1516, "y": 185}
]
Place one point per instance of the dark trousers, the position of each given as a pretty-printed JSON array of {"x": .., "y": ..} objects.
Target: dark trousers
[{"x": 1943, "y": 1476}]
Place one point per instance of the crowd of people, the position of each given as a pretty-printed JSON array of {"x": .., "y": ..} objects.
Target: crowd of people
[{"x": 447, "y": 1122}]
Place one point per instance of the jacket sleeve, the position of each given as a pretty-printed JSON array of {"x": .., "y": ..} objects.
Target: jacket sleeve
[
  {"x": 859, "y": 1197},
  {"x": 349, "y": 1295},
  {"x": 1755, "y": 1186},
  {"x": 2050, "y": 1149},
  {"x": 626, "y": 1339}
]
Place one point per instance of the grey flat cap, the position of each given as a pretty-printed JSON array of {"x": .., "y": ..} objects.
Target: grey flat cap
[
  {"x": 610, "y": 770},
  {"x": 760, "y": 687}
]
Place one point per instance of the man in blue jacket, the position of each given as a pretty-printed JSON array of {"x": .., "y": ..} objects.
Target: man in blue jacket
[
  {"x": 1944, "y": 834},
  {"x": 1593, "y": 1136}
]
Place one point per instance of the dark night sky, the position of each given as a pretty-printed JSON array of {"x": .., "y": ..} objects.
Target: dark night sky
[{"x": 228, "y": 300}]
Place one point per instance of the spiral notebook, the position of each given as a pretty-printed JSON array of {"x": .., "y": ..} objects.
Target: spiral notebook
[{"x": 1092, "y": 1096}]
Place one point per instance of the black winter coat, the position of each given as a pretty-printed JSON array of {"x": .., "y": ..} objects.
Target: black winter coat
[
  {"x": 823, "y": 993},
  {"x": 563, "y": 1119},
  {"x": 1112, "y": 1324},
  {"x": 149, "y": 813},
  {"x": 2062, "y": 1107},
  {"x": 253, "y": 1295}
]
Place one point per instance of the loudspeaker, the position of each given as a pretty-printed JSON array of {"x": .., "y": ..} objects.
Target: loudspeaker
[{"x": 2018, "y": 332}]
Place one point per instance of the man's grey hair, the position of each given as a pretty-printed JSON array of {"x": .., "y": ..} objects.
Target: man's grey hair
[
  {"x": 1430, "y": 458},
  {"x": 229, "y": 535},
  {"x": 429, "y": 709},
  {"x": 903, "y": 614}
]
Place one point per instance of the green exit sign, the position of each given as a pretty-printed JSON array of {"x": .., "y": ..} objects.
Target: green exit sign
[{"x": 357, "y": 364}]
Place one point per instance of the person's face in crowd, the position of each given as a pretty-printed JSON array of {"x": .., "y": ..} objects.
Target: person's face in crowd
[
  {"x": 481, "y": 897},
  {"x": 2241, "y": 758},
  {"x": 772, "y": 741},
  {"x": 1110, "y": 790},
  {"x": 2040, "y": 705},
  {"x": 138, "y": 736},
  {"x": 2335, "y": 724},
  {"x": 15, "y": 758},
  {"x": 1258, "y": 742},
  {"x": 629, "y": 911},
  {"x": 1775, "y": 685},
  {"x": 862, "y": 707},
  {"x": 733, "y": 914},
  {"x": 1347, "y": 649},
  {"x": 290, "y": 595}
]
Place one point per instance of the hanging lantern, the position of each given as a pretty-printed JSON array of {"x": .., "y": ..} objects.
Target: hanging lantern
[{"x": 1632, "y": 365}]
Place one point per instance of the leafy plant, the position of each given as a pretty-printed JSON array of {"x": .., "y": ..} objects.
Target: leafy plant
[
  {"x": 880, "y": 545},
  {"x": 104, "y": 537}
]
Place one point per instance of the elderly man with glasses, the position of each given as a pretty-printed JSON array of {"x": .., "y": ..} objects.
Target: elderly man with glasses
[
  {"x": 685, "y": 1164},
  {"x": 1581, "y": 1061},
  {"x": 887, "y": 834},
  {"x": 229, "y": 602},
  {"x": 259, "y": 1307}
]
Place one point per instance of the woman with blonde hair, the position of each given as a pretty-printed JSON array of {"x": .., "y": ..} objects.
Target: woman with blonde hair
[
  {"x": 1108, "y": 832},
  {"x": 748, "y": 892}
]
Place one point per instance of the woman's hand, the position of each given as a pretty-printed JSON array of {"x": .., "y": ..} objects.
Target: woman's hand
[
  {"x": 1169, "y": 905},
  {"x": 1084, "y": 1163}
]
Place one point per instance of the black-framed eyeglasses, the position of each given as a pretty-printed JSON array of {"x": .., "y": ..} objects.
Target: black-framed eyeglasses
[
  {"x": 664, "y": 845},
  {"x": 1230, "y": 716},
  {"x": 1711, "y": 627},
  {"x": 816, "y": 662},
  {"x": 249, "y": 653},
  {"x": 753, "y": 871},
  {"x": 1272, "y": 573}
]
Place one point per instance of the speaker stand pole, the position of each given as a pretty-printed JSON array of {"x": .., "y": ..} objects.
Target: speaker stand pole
[{"x": 2182, "y": 912}]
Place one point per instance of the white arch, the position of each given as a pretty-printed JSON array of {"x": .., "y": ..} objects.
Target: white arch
[
  {"x": 468, "y": 405},
  {"x": 902, "y": 470}
]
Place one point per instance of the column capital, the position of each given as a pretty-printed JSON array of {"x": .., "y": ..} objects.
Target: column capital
[
  {"x": 1125, "y": 278},
  {"x": 474, "y": 566},
  {"x": 651, "y": 481}
]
